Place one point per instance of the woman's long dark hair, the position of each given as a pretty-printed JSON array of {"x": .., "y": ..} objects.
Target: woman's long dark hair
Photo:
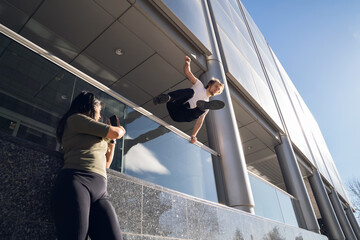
[{"x": 84, "y": 103}]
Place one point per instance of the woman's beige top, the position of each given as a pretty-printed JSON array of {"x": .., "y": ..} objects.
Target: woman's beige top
[{"x": 84, "y": 145}]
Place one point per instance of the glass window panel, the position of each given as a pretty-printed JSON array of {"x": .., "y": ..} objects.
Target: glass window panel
[
  {"x": 323, "y": 159},
  {"x": 272, "y": 203},
  {"x": 192, "y": 14},
  {"x": 266, "y": 98},
  {"x": 239, "y": 22},
  {"x": 239, "y": 38},
  {"x": 287, "y": 209},
  {"x": 306, "y": 122},
  {"x": 32, "y": 100},
  {"x": 234, "y": 4},
  {"x": 224, "y": 4},
  {"x": 224, "y": 21},
  {"x": 288, "y": 112},
  {"x": 334, "y": 174},
  {"x": 270, "y": 65},
  {"x": 155, "y": 154},
  {"x": 266, "y": 200},
  {"x": 237, "y": 47},
  {"x": 305, "y": 133},
  {"x": 318, "y": 157},
  {"x": 236, "y": 37},
  {"x": 253, "y": 59},
  {"x": 238, "y": 66},
  {"x": 259, "y": 38},
  {"x": 290, "y": 119}
]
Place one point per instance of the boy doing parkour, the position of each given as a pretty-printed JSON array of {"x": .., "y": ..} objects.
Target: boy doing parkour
[{"x": 186, "y": 105}]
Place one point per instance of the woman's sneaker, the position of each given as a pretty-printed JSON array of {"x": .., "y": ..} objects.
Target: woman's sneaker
[
  {"x": 212, "y": 105},
  {"x": 162, "y": 98}
]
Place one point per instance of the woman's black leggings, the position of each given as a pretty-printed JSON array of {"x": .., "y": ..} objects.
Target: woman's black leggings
[{"x": 82, "y": 208}]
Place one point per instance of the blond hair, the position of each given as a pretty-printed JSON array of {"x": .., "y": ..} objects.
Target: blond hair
[{"x": 214, "y": 80}]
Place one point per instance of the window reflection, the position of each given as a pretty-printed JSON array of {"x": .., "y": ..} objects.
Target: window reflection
[
  {"x": 286, "y": 204},
  {"x": 35, "y": 93},
  {"x": 155, "y": 154},
  {"x": 272, "y": 203},
  {"x": 192, "y": 14}
]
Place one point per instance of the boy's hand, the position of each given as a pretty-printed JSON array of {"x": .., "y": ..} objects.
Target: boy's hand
[{"x": 187, "y": 60}]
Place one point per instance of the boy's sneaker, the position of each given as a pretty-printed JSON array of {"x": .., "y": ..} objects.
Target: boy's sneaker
[
  {"x": 212, "y": 105},
  {"x": 162, "y": 98}
]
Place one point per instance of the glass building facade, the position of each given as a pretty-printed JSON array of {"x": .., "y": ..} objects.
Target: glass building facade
[{"x": 46, "y": 60}]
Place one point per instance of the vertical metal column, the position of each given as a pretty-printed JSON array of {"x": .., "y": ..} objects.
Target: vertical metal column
[
  {"x": 224, "y": 137},
  {"x": 340, "y": 213},
  {"x": 353, "y": 222},
  {"x": 294, "y": 182},
  {"x": 325, "y": 207},
  {"x": 223, "y": 133}
]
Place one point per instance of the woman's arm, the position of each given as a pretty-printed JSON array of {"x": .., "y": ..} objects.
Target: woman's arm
[
  {"x": 110, "y": 154},
  {"x": 116, "y": 132}
]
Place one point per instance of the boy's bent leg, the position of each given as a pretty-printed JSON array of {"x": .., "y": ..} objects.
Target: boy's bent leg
[
  {"x": 162, "y": 98},
  {"x": 104, "y": 223},
  {"x": 181, "y": 96},
  {"x": 176, "y": 111},
  {"x": 212, "y": 105},
  {"x": 182, "y": 113}
]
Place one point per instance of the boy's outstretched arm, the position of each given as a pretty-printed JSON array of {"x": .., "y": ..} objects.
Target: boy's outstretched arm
[
  {"x": 187, "y": 70},
  {"x": 197, "y": 126}
]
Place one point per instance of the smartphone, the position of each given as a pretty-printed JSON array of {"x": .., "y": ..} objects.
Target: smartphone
[{"x": 113, "y": 120}]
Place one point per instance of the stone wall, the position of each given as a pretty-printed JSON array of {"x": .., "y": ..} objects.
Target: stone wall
[{"x": 146, "y": 211}]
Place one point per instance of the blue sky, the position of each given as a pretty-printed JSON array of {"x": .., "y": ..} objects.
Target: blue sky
[{"x": 318, "y": 43}]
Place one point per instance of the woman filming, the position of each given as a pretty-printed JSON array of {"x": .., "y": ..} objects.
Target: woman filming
[{"x": 80, "y": 202}]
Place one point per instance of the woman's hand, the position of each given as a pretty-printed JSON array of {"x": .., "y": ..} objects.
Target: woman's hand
[{"x": 116, "y": 132}]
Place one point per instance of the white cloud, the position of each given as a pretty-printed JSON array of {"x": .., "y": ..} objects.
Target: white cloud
[{"x": 140, "y": 159}]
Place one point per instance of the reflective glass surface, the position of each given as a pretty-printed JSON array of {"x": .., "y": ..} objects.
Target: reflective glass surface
[
  {"x": 243, "y": 65},
  {"x": 238, "y": 66},
  {"x": 272, "y": 203},
  {"x": 287, "y": 208},
  {"x": 35, "y": 93},
  {"x": 192, "y": 14},
  {"x": 310, "y": 140},
  {"x": 307, "y": 121},
  {"x": 241, "y": 60},
  {"x": 291, "y": 119},
  {"x": 155, "y": 154}
]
